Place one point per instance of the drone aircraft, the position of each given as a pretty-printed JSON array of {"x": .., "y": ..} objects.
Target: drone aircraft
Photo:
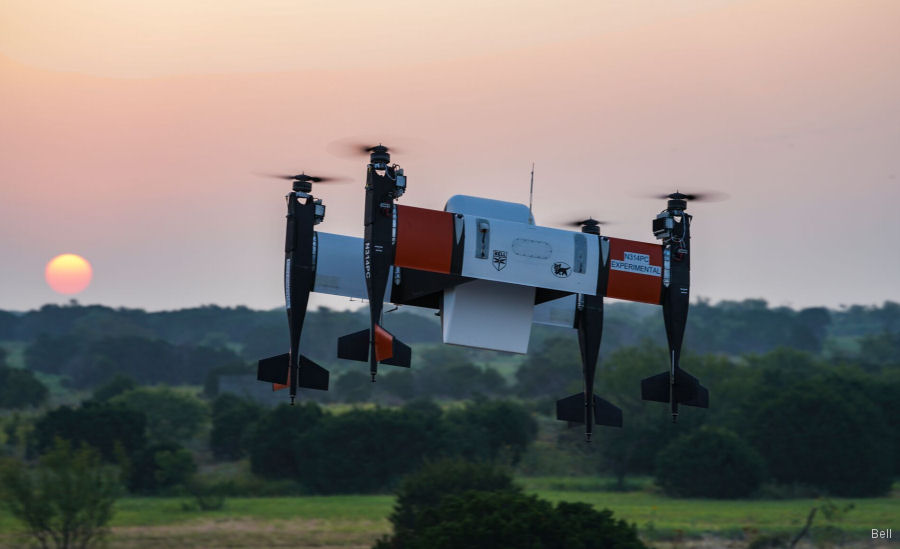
[{"x": 491, "y": 273}]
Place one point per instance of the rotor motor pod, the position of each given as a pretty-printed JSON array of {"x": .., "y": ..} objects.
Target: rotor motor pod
[{"x": 379, "y": 157}]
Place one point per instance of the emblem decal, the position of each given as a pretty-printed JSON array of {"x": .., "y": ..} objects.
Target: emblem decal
[
  {"x": 500, "y": 257},
  {"x": 561, "y": 270}
]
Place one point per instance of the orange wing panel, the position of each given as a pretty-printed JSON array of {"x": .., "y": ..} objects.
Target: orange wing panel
[
  {"x": 635, "y": 271},
  {"x": 424, "y": 239}
]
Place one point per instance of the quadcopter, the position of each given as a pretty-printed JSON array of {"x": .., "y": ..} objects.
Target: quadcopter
[{"x": 490, "y": 272}]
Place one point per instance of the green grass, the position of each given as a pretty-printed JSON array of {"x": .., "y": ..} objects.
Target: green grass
[
  {"x": 157, "y": 511},
  {"x": 656, "y": 516},
  {"x": 658, "y": 513},
  {"x": 138, "y": 511},
  {"x": 582, "y": 484}
]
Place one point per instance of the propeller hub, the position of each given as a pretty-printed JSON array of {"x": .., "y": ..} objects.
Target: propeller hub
[
  {"x": 302, "y": 186},
  {"x": 379, "y": 154},
  {"x": 676, "y": 204},
  {"x": 590, "y": 226}
]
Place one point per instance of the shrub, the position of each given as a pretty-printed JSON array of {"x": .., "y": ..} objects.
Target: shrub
[
  {"x": 710, "y": 462},
  {"x": 66, "y": 501},
  {"x": 207, "y": 496},
  {"x": 423, "y": 490},
  {"x": 161, "y": 466},
  {"x": 514, "y": 520}
]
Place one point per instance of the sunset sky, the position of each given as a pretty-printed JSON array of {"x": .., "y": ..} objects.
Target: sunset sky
[{"x": 130, "y": 133}]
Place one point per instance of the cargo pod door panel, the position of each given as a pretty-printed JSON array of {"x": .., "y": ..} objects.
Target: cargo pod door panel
[{"x": 636, "y": 271}]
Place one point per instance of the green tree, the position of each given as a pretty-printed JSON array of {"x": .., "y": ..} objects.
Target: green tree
[
  {"x": 211, "y": 384},
  {"x": 823, "y": 433},
  {"x": 117, "y": 385},
  {"x": 490, "y": 430},
  {"x": 275, "y": 439},
  {"x": 362, "y": 450},
  {"x": 66, "y": 501},
  {"x": 354, "y": 387},
  {"x": 884, "y": 390},
  {"x": 399, "y": 383},
  {"x": 50, "y": 354},
  {"x": 20, "y": 389},
  {"x": 553, "y": 369},
  {"x": 90, "y": 361},
  {"x": 171, "y": 415},
  {"x": 880, "y": 351},
  {"x": 710, "y": 462},
  {"x": 232, "y": 419},
  {"x": 648, "y": 426},
  {"x": 109, "y": 428}
]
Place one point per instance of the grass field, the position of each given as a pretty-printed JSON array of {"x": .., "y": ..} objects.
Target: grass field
[{"x": 357, "y": 520}]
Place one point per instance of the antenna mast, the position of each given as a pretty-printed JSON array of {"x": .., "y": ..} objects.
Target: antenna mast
[{"x": 531, "y": 191}]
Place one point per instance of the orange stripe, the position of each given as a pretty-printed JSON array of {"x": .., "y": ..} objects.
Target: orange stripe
[
  {"x": 279, "y": 386},
  {"x": 384, "y": 344},
  {"x": 424, "y": 239}
]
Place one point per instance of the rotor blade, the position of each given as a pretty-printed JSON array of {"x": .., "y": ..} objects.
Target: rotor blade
[
  {"x": 705, "y": 196},
  {"x": 310, "y": 178},
  {"x": 275, "y": 176},
  {"x": 330, "y": 179},
  {"x": 353, "y": 148},
  {"x": 589, "y": 220},
  {"x": 361, "y": 145}
]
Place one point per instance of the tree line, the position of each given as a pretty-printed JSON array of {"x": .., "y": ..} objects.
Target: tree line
[
  {"x": 87, "y": 345},
  {"x": 786, "y": 421}
]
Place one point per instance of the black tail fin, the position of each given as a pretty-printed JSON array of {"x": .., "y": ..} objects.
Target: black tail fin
[
  {"x": 355, "y": 346},
  {"x": 274, "y": 369},
  {"x": 312, "y": 376},
  {"x": 277, "y": 369},
  {"x": 656, "y": 388},
  {"x": 606, "y": 413},
  {"x": 401, "y": 356},
  {"x": 688, "y": 390},
  {"x": 571, "y": 409}
]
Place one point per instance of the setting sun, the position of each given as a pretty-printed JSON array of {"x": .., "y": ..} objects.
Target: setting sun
[{"x": 68, "y": 273}]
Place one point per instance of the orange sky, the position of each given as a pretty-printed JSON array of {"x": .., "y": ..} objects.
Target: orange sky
[{"x": 129, "y": 135}]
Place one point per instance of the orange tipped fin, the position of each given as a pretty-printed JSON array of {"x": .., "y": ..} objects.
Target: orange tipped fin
[
  {"x": 384, "y": 344},
  {"x": 279, "y": 386}
]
